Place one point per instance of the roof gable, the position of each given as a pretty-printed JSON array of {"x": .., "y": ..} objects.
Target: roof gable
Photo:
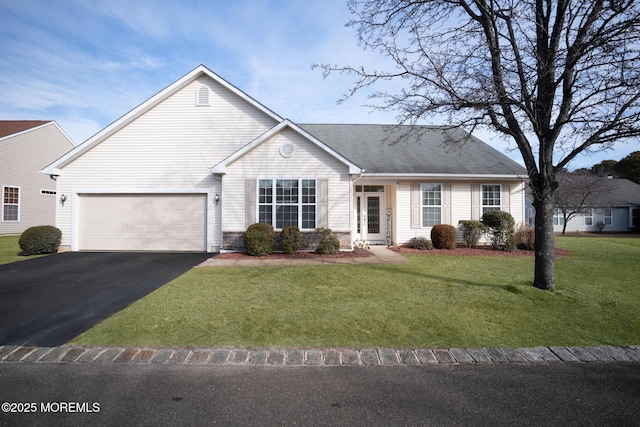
[
  {"x": 12, "y": 127},
  {"x": 415, "y": 150},
  {"x": 54, "y": 168},
  {"x": 221, "y": 167}
]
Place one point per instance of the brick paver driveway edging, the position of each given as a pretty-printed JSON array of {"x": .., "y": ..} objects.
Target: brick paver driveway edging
[{"x": 315, "y": 357}]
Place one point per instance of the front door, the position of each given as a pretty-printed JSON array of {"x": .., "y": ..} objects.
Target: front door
[{"x": 370, "y": 210}]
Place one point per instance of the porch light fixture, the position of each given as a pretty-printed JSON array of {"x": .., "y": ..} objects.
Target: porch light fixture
[
  {"x": 63, "y": 199},
  {"x": 217, "y": 198}
]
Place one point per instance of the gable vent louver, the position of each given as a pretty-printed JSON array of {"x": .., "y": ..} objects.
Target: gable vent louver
[{"x": 202, "y": 97}]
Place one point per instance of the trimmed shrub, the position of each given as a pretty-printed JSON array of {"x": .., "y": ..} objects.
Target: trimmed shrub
[
  {"x": 472, "y": 231},
  {"x": 41, "y": 239},
  {"x": 291, "y": 239},
  {"x": 525, "y": 237},
  {"x": 501, "y": 227},
  {"x": 420, "y": 243},
  {"x": 329, "y": 242},
  {"x": 259, "y": 239},
  {"x": 443, "y": 236}
]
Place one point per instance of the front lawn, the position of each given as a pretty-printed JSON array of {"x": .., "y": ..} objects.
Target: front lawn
[
  {"x": 433, "y": 301},
  {"x": 10, "y": 249}
]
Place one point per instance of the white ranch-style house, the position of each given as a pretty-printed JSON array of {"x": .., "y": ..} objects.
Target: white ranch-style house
[
  {"x": 617, "y": 210},
  {"x": 195, "y": 165}
]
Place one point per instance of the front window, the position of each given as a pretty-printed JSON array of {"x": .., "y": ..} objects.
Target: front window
[
  {"x": 287, "y": 202},
  {"x": 10, "y": 203},
  {"x": 491, "y": 198},
  {"x": 431, "y": 204}
]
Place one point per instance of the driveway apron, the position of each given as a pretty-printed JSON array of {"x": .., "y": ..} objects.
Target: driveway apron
[{"x": 50, "y": 300}]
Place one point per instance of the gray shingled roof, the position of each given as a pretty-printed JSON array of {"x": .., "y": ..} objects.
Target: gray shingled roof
[
  {"x": 389, "y": 149},
  {"x": 621, "y": 192}
]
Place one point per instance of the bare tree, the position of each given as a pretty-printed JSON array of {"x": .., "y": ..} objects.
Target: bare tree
[
  {"x": 578, "y": 191},
  {"x": 557, "y": 77}
]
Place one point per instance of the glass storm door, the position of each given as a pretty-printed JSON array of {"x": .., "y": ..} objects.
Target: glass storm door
[{"x": 370, "y": 214}]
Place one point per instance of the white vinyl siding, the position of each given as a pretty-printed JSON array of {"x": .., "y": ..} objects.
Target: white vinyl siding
[
  {"x": 615, "y": 219},
  {"x": 308, "y": 161},
  {"x": 22, "y": 156},
  {"x": 173, "y": 145},
  {"x": 461, "y": 195}
]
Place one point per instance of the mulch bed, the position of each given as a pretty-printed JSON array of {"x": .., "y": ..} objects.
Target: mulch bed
[
  {"x": 299, "y": 255},
  {"x": 480, "y": 251},
  {"x": 459, "y": 251}
]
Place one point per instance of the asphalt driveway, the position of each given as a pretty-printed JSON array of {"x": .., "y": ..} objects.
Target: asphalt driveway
[{"x": 50, "y": 300}]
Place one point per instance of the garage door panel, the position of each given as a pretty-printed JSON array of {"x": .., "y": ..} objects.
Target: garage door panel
[{"x": 143, "y": 222}]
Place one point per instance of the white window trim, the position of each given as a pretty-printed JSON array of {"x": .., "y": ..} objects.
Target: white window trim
[
  {"x": 4, "y": 187},
  {"x": 274, "y": 205},
  {"x": 199, "y": 102},
  {"x": 605, "y": 216},
  {"x": 422, "y": 205},
  {"x": 557, "y": 215},
  {"x": 588, "y": 214},
  {"x": 482, "y": 205}
]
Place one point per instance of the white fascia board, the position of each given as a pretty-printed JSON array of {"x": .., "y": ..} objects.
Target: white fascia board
[
  {"x": 239, "y": 93},
  {"x": 448, "y": 177},
  {"x": 221, "y": 167},
  {"x": 146, "y": 106}
]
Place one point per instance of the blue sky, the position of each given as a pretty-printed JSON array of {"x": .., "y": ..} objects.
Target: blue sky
[{"x": 85, "y": 63}]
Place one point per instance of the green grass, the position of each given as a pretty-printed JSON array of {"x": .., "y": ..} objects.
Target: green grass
[
  {"x": 433, "y": 301},
  {"x": 9, "y": 250}
]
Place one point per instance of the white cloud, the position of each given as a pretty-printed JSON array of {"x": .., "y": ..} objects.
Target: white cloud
[{"x": 88, "y": 63}]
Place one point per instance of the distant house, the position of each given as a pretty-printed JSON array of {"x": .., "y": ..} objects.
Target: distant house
[
  {"x": 28, "y": 196},
  {"x": 194, "y": 166},
  {"x": 617, "y": 210}
]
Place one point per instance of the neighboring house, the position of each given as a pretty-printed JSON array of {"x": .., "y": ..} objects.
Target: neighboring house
[
  {"x": 617, "y": 210},
  {"x": 195, "y": 165},
  {"x": 28, "y": 196}
]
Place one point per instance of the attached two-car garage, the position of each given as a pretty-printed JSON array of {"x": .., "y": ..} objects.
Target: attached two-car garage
[{"x": 142, "y": 222}]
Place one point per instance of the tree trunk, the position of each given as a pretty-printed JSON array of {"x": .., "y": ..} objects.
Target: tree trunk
[{"x": 545, "y": 257}]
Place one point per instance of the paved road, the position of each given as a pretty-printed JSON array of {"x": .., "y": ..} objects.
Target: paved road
[
  {"x": 48, "y": 301},
  {"x": 568, "y": 394}
]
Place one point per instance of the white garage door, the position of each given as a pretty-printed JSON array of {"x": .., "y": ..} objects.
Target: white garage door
[{"x": 142, "y": 222}]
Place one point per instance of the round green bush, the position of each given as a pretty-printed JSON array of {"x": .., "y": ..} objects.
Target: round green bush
[
  {"x": 259, "y": 239},
  {"x": 41, "y": 239},
  {"x": 443, "y": 236},
  {"x": 329, "y": 242},
  {"x": 502, "y": 227},
  {"x": 420, "y": 243},
  {"x": 291, "y": 238},
  {"x": 472, "y": 231}
]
